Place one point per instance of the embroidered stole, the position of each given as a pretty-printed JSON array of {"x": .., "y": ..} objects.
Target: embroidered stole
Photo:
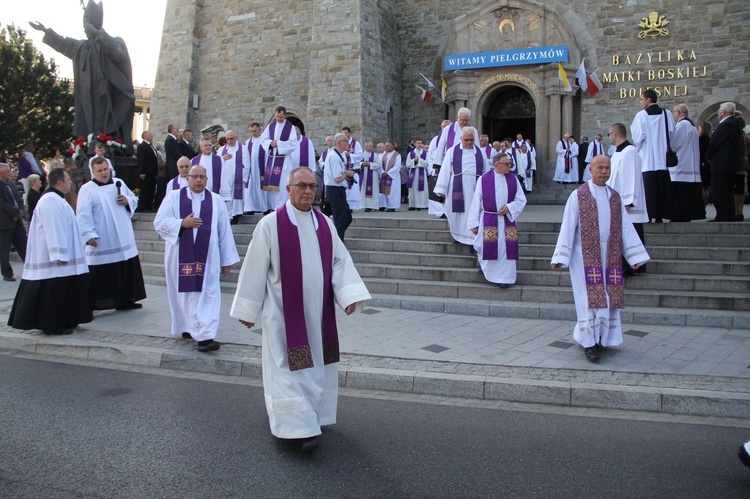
[
  {"x": 370, "y": 176},
  {"x": 458, "y": 181},
  {"x": 215, "y": 171},
  {"x": 568, "y": 162},
  {"x": 420, "y": 178},
  {"x": 596, "y": 288},
  {"x": 275, "y": 161},
  {"x": 386, "y": 180},
  {"x": 490, "y": 219},
  {"x": 299, "y": 354},
  {"x": 193, "y": 252},
  {"x": 237, "y": 194}
]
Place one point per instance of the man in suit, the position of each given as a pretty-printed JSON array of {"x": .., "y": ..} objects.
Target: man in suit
[
  {"x": 725, "y": 156},
  {"x": 186, "y": 144},
  {"x": 11, "y": 222},
  {"x": 172, "y": 150},
  {"x": 148, "y": 168},
  {"x": 583, "y": 149}
]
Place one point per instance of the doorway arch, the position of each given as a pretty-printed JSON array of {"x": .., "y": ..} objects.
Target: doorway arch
[{"x": 507, "y": 111}]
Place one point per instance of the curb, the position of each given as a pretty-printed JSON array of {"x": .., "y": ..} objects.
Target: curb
[{"x": 692, "y": 402}]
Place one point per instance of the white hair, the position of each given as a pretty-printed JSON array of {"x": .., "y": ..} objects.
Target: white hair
[
  {"x": 468, "y": 130},
  {"x": 729, "y": 108},
  {"x": 464, "y": 111}
]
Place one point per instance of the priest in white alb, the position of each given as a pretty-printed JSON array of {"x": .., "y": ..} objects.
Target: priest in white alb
[
  {"x": 304, "y": 154},
  {"x": 435, "y": 207},
  {"x": 564, "y": 168},
  {"x": 464, "y": 163},
  {"x": 256, "y": 199},
  {"x": 498, "y": 201},
  {"x": 369, "y": 179},
  {"x": 279, "y": 140},
  {"x": 53, "y": 294},
  {"x": 596, "y": 148},
  {"x": 105, "y": 207},
  {"x": 595, "y": 232},
  {"x": 296, "y": 270},
  {"x": 199, "y": 249},
  {"x": 451, "y": 135},
  {"x": 416, "y": 162},
  {"x": 354, "y": 155},
  {"x": 180, "y": 181},
  {"x": 236, "y": 168},
  {"x": 390, "y": 179},
  {"x": 217, "y": 179},
  {"x": 525, "y": 166}
]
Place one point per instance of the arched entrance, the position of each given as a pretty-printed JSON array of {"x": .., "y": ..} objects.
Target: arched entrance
[{"x": 508, "y": 111}]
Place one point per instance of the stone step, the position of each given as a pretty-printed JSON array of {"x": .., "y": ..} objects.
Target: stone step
[
  {"x": 562, "y": 311},
  {"x": 549, "y": 277},
  {"x": 556, "y": 294}
]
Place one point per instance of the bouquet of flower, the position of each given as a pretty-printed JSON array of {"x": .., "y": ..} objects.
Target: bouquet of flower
[
  {"x": 80, "y": 145},
  {"x": 115, "y": 147}
]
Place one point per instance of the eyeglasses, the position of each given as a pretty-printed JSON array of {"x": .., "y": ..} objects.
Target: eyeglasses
[
  {"x": 198, "y": 177},
  {"x": 304, "y": 186},
  {"x": 506, "y": 163}
]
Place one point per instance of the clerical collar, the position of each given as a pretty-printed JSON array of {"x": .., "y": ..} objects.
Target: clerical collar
[
  {"x": 622, "y": 146},
  {"x": 103, "y": 183},
  {"x": 52, "y": 189}
]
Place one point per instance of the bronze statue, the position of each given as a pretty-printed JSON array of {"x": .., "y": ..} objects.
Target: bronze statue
[{"x": 103, "y": 78}]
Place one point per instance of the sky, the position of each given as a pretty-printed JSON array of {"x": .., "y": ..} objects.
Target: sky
[{"x": 138, "y": 22}]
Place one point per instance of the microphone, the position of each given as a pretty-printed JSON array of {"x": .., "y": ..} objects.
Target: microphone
[{"x": 118, "y": 184}]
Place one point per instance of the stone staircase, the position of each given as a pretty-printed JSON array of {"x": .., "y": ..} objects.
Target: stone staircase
[
  {"x": 551, "y": 193},
  {"x": 699, "y": 274}
]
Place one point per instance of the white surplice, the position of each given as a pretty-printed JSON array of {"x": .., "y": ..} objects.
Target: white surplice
[
  {"x": 685, "y": 144},
  {"x": 256, "y": 198},
  {"x": 598, "y": 325},
  {"x": 53, "y": 237},
  {"x": 434, "y": 207},
  {"x": 99, "y": 216},
  {"x": 417, "y": 198},
  {"x": 353, "y": 193},
  {"x": 197, "y": 313},
  {"x": 458, "y": 221},
  {"x": 370, "y": 163},
  {"x": 563, "y": 149},
  {"x": 596, "y": 148},
  {"x": 298, "y": 402},
  {"x": 226, "y": 186},
  {"x": 441, "y": 149},
  {"x": 236, "y": 206},
  {"x": 522, "y": 165},
  {"x": 650, "y": 137},
  {"x": 181, "y": 182},
  {"x": 393, "y": 200},
  {"x": 501, "y": 270},
  {"x": 627, "y": 179},
  {"x": 276, "y": 199}
]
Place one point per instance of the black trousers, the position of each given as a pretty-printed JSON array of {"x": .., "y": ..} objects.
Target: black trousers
[
  {"x": 161, "y": 190},
  {"x": 657, "y": 185},
  {"x": 722, "y": 194},
  {"x": 17, "y": 236},
  {"x": 342, "y": 215},
  {"x": 148, "y": 189}
]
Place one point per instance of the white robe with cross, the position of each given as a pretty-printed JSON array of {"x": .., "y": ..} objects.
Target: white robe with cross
[
  {"x": 374, "y": 166},
  {"x": 595, "y": 325},
  {"x": 298, "y": 402},
  {"x": 256, "y": 198},
  {"x": 502, "y": 270},
  {"x": 197, "y": 313},
  {"x": 234, "y": 206}
]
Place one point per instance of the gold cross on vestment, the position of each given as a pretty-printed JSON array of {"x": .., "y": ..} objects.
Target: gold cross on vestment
[
  {"x": 614, "y": 276},
  {"x": 187, "y": 269},
  {"x": 595, "y": 275}
]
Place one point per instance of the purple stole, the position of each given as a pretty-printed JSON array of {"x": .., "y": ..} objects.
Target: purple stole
[
  {"x": 299, "y": 355},
  {"x": 237, "y": 171},
  {"x": 176, "y": 183},
  {"x": 215, "y": 170},
  {"x": 597, "y": 150},
  {"x": 490, "y": 219},
  {"x": 194, "y": 252},
  {"x": 488, "y": 151},
  {"x": 568, "y": 161},
  {"x": 261, "y": 160},
  {"x": 370, "y": 175},
  {"x": 304, "y": 152},
  {"x": 458, "y": 181},
  {"x": 387, "y": 181},
  {"x": 527, "y": 173},
  {"x": 275, "y": 163},
  {"x": 592, "y": 255},
  {"x": 420, "y": 182}
]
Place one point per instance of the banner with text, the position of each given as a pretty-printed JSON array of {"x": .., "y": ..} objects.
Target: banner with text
[{"x": 516, "y": 57}]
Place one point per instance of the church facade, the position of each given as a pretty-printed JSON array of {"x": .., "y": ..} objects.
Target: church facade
[{"x": 358, "y": 63}]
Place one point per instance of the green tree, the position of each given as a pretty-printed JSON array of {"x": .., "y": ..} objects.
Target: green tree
[{"x": 35, "y": 107}]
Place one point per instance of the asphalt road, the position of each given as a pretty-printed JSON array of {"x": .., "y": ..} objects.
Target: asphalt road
[{"x": 77, "y": 431}]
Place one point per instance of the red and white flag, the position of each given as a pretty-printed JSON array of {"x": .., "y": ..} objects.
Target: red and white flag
[
  {"x": 594, "y": 85},
  {"x": 426, "y": 95}
]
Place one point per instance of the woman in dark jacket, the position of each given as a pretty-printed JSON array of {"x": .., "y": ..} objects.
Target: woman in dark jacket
[{"x": 704, "y": 137}]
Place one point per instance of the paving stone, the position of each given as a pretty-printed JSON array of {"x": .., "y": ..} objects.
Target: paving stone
[
  {"x": 202, "y": 362},
  {"x": 530, "y": 391},
  {"x": 129, "y": 356},
  {"x": 380, "y": 379},
  {"x": 705, "y": 404},
  {"x": 449, "y": 385},
  {"x": 615, "y": 397}
]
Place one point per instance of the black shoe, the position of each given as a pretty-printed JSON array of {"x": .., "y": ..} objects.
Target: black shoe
[
  {"x": 60, "y": 331},
  {"x": 267, "y": 212},
  {"x": 234, "y": 221},
  {"x": 9, "y": 278},
  {"x": 249, "y": 213},
  {"x": 390, "y": 210},
  {"x": 187, "y": 336},
  {"x": 368, "y": 210},
  {"x": 208, "y": 346},
  {"x": 591, "y": 354},
  {"x": 443, "y": 216},
  {"x": 130, "y": 306},
  {"x": 739, "y": 218},
  {"x": 381, "y": 209},
  {"x": 309, "y": 445},
  {"x": 743, "y": 455},
  {"x": 412, "y": 209}
]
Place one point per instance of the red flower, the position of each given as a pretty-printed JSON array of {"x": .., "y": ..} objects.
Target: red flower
[{"x": 79, "y": 141}]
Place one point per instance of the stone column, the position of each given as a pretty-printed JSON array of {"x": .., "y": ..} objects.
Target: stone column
[
  {"x": 554, "y": 124},
  {"x": 567, "y": 114}
]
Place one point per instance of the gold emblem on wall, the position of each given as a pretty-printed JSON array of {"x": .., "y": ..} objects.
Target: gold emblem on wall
[
  {"x": 653, "y": 25},
  {"x": 507, "y": 22}
]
